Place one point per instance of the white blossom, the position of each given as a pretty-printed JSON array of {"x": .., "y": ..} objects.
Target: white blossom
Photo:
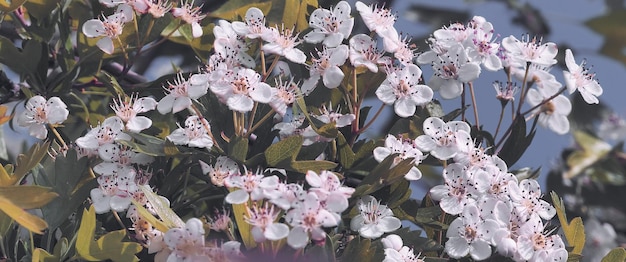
[{"x": 40, "y": 113}]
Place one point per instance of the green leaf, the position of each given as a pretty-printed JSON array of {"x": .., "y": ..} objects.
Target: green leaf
[
  {"x": 610, "y": 25},
  {"x": 314, "y": 165},
  {"x": 574, "y": 231},
  {"x": 162, "y": 208},
  {"x": 359, "y": 249},
  {"x": 109, "y": 246},
  {"x": 25, "y": 163},
  {"x": 346, "y": 155},
  {"x": 517, "y": 143},
  {"x": 244, "y": 228},
  {"x": 41, "y": 9},
  {"x": 238, "y": 148},
  {"x": 328, "y": 130},
  {"x": 286, "y": 149},
  {"x": 616, "y": 255}
]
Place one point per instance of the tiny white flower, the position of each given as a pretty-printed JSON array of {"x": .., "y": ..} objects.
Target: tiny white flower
[
  {"x": 194, "y": 134},
  {"x": 307, "y": 221},
  {"x": 326, "y": 67},
  {"x": 254, "y": 25},
  {"x": 241, "y": 89},
  {"x": 330, "y": 26},
  {"x": 181, "y": 91},
  {"x": 526, "y": 199},
  {"x": 223, "y": 168},
  {"x": 283, "y": 95},
  {"x": 39, "y": 113},
  {"x": 158, "y": 8},
  {"x": 578, "y": 78},
  {"x": 553, "y": 113},
  {"x": 405, "y": 149},
  {"x": 452, "y": 70},
  {"x": 440, "y": 138},
  {"x": 110, "y": 27},
  {"x": 457, "y": 190},
  {"x": 530, "y": 50},
  {"x": 118, "y": 159},
  {"x": 333, "y": 116},
  {"x": 190, "y": 14},
  {"x": 379, "y": 20},
  {"x": 332, "y": 195},
  {"x": 283, "y": 43},
  {"x": 470, "y": 234},
  {"x": 374, "y": 219},
  {"x": 106, "y": 133},
  {"x": 363, "y": 52},
  {"x": 249, "y": 187},
  {"x": 395, "y": 251},
  {"x": 263, "y": 225},
  {"x": 186, "y": 244},
  {"x": 535, "y": 245},
  {"x": 402, "y": 89},
  {"x": 128, "y": 108},
  {"x": 483, "y": 49},
  {"x": 229, "y": 45}
]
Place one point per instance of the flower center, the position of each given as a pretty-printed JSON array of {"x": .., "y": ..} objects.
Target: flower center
[
  {"x": 539, "y": 241},
  {"x": 240, "y": 86}
]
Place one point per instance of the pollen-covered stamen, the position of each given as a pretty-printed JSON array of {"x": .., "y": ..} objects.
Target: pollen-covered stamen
[
  {"x": 469, "y": 233},
  {"x": 371, "y": 211},
  {"x": 286, "y": 91},
  {"x": 191, "y": 14},
  {"x": 539, "y": 241},
  {"x": 261, "y": 216},
  {"x": 241, "y": 85},
  {"x": 123, "y": 107},
  {"x": 286, "y": 39},
  {"x": 158, "y": 8},
  {"x": 113, "y": 25}
]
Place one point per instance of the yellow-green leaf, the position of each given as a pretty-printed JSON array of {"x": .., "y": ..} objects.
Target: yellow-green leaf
[
  {"x": 41, "y": 8},
  {"x": 42, "y": 255},
  {"x": 290, "y": 14},
  {"x": 28, "y": 197},
  {"x": 235, "y": 14},
  {"x": 26, "y": 162},
  {"x": 143, "y": 212},
  {"x": 314, "y": 165},
  {"x": 162, "y": 208},
  {"x": 593, "y": 149},
  {"x": 616, "y": 255},
  {"x": 244, "y": 228},
  {"x": 574, "y": 231},
  {"x": 29, "y": 221},
  {"x": 107, "y": 247}
]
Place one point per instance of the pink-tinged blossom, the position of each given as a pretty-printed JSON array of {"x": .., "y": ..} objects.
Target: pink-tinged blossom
[
  {"x": 526, "y": 199},
  {"x": 379, "y": 20},
  {"x": 230, "y": 46},
  {"x": 441, "y": 138},
  {"x": 283, "y": 43},
  {"x": 115, "y": 192},
  {"x": 330, "y": 26},
  {"x": 254, "y": 25},
  {"x": 128, "y": 108},
  {"x": 263, "y": 225},
  {"x": 190, "y": 14},
  {"x": 405, "y": 149},
  {"x": 374, "y": 219},
  {"x": 140, "y": 6},
  {"x": 194, "y": 134},
  {"x": 223, "y": 168},
  {"x": 578, "y": 78},
  {"x": 118, "y": 159},
  {"x": 252, "y": 185},
  {"x": 552, "y": 113},
  {"x": 289, "y": 196},
  {"x": 109, "y": 27},
  {"x": 241, "y": 89},
  {"x": 326, "y": 67},
  {"x": 404, "y": 51},
  {"x": 333, "y": 116},
  {"x": 470, "y": 234},
  {"x": 533, "y": 244},
  {"x": 363, "y": 52},
  {"x": 402, "y": 88},
  {"x": 456, "y": 192},
  {"x": 158, "y": 8},
  {"x": 328, "y": 188},
  {"x": 187, "y": 243},
  {"x": 283, "y": 95},
  {"x": 530, "y": 50},
  {"x": 451, "y": 71},
  {"x": 483, "y": 49},
  {"x": 220, "y": 221},
  {"x": 181, "y": 92},
  {"x": 40, "y": 112},
  {"x": 106, "y": 133},
  {"x": 307, "y": 221}
]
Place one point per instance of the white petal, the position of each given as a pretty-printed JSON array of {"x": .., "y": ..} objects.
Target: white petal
[
  {"x": 298, "y": 238},
  {"x": 404, "y": 107},
  {"x": 480, "y": 249},
  {"x": 332, "y": 77},
  {"x": 120, "y": 203},
  {"x": 276, "y": 231},
  {"x": 237, "y": 197},
  {"x": 180, "y": 104},
  {"x": 196, "y": 30},
  {"x": 93, "y": 28},
  {"x": 389, "y": 224},
  {"x": 240, "y": 103},
  {"x": 457, "y": 247},
  {"x": 138, "y": 123},
  {"x": 261, "y": 93},
  {"x": 106, "y": 45}
]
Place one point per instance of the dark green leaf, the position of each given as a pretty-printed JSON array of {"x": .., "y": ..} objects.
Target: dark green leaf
[
  {"x": 314, "y": 165},
  {"x": 616, "y": 255},
  {"x": 346, "y": 155},
  {"x": 286, "y": 149},
  {"x": 517, "y": 142},
  {"x": 238, "y": 148}
]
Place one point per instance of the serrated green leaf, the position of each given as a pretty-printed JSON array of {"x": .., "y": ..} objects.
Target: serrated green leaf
[
  {"x": 346, "y": 155},
  {"x": 108, "y": 246},
  {"x": 286, "y": 149},
  {"x": 238, "y": 148},
  {"x": 314, "y": 165},
  {"x": 616, "y": 255},
  {"x": 593, "y": 150},
  {"x": 574, "y": 231}
]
